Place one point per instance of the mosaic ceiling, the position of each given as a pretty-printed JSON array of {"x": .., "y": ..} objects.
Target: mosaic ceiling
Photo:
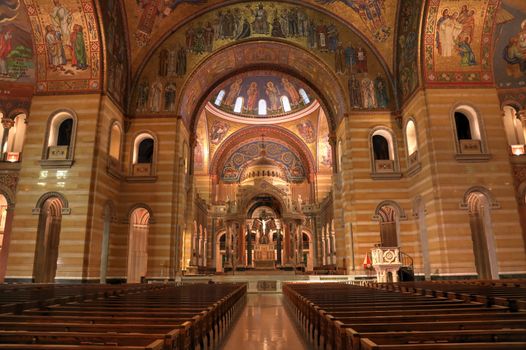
[
  {"x": 261, "y": 94},
  {"x": 57, "y": 46}
]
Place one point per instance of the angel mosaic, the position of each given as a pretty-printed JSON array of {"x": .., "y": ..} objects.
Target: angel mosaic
[{"x": 218, "y": 132}]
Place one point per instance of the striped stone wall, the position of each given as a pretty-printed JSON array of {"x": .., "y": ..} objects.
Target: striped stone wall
[{"x": 75, "y": 185}]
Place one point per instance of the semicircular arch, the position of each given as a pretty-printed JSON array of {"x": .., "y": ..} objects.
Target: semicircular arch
[
  {"x": 272, "y": 55},
  {"x": 269, "y": 132}
]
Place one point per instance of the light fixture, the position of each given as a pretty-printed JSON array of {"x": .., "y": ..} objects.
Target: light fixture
[{"x": 517, "y": 150}]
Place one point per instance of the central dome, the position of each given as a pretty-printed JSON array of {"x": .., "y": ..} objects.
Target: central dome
[
  {"x": 263, "y": 167},
  {"x": 261, "y": 94}
]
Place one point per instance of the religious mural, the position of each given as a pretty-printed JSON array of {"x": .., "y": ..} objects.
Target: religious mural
[
  {"x": 117, "y": 64},
  {"x": 151, "y": 20},
  {"x": 407, "y": 47},
  {"x": 68, "y": 46},
  {"x": 367, "y": 93},
  {"x": 457, "y": 41},
  {"x": 16, "y": 47},
  {"x": 372, "y": 13},
  {"x": 244, "y": 93},
  {"x": 324, "y": 150},
  {"x": 510, "y": 45},
  {"x": 307, "y": 131},
  {"x": 333, "y": 42},
  {"x": 201, "y": 145},
  {"x": 150, "y": 11},
  {"x": 233, "y": 166},
  {"x": 218, "y": 131}
]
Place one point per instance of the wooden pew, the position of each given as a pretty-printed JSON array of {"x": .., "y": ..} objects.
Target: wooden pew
[
  {"x": 183, "y": 317},
  {"x": 338, "y": 316}
]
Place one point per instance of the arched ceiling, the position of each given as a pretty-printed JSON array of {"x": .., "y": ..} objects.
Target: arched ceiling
[
  {"x": 305, "y": 132},
  {"x": 66, "y": 46},
  {"x": 274, "y": 55},
  {"x": 210, "y": 46},
  {"x": 150, "y": 21},
  {"x": 283, "y": 147}
]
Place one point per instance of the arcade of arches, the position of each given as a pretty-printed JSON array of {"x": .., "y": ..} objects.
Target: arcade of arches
[{"x": 147, "y": 140}]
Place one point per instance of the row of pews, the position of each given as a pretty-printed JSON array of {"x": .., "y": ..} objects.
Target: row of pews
[
  {"x": 124, "y": 317},
  {"x": 410, "y": 316},
  {"x": 511, "y": 293}
]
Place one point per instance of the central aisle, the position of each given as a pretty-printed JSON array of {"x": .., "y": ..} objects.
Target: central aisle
[{"x": 264, "y": 325}]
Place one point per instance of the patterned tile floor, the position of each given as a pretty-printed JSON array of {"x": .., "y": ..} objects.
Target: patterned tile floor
[{"x": 264, "y": 324}]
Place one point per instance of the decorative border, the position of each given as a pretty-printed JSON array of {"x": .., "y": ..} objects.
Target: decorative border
[{"x": 454, "y": 78}]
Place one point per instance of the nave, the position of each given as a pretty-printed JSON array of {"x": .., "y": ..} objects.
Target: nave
[
  {"x": 265, "y": 324},
  {"x": 436, "y": 315}
]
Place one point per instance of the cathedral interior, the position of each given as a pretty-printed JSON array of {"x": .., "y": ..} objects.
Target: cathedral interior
[{"x": 148, "y": 140}]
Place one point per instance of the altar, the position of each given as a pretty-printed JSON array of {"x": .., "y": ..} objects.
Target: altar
[{"x": 264, "y": 256}]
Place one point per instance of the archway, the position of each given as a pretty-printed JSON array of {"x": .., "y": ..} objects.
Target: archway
[
  {"x": 220, "y": 251},
  {"x": 48, "y": 239},
  {"x": 242, "y": 152},
  {"x": 388, "y": 226},
  {"x": 138, "y": 244},
  {"x": 479, "y": 209}
]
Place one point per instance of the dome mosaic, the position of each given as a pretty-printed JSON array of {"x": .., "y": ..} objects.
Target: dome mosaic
[{"x": 261, "y": 95}]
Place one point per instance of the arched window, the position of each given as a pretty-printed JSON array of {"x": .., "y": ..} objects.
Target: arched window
[
  {"x": 412, "y": 146},
  {"x": 380, "y": 148},
  {"x": 219, "y": 98},
  {"x": 286, "y": 104},
  {"x": 410, "y": 134},
  {"x": 304, "y": 96},
  {"x": 238, "y": 107},
  {"x": 468, "y": 135},
  {"x": 145, "y": 151},
  {"x": 59, "y": 144},
  {"x": 383, "y": 155},
  {"x": 463, "y": 126},
  {"x": 143, "y": 155},
  {"x": 115, "y": 142},
  {"x": 262, "y": 107},
  {"x": 64, "y": 132},
  {"x": 15, "y": 140}
]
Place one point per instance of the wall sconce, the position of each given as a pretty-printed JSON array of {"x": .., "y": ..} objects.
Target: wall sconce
[{"x": 517, "y": 150}]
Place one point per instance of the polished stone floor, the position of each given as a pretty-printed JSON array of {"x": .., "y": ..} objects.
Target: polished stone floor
[{"x": 264, "y": 324}]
